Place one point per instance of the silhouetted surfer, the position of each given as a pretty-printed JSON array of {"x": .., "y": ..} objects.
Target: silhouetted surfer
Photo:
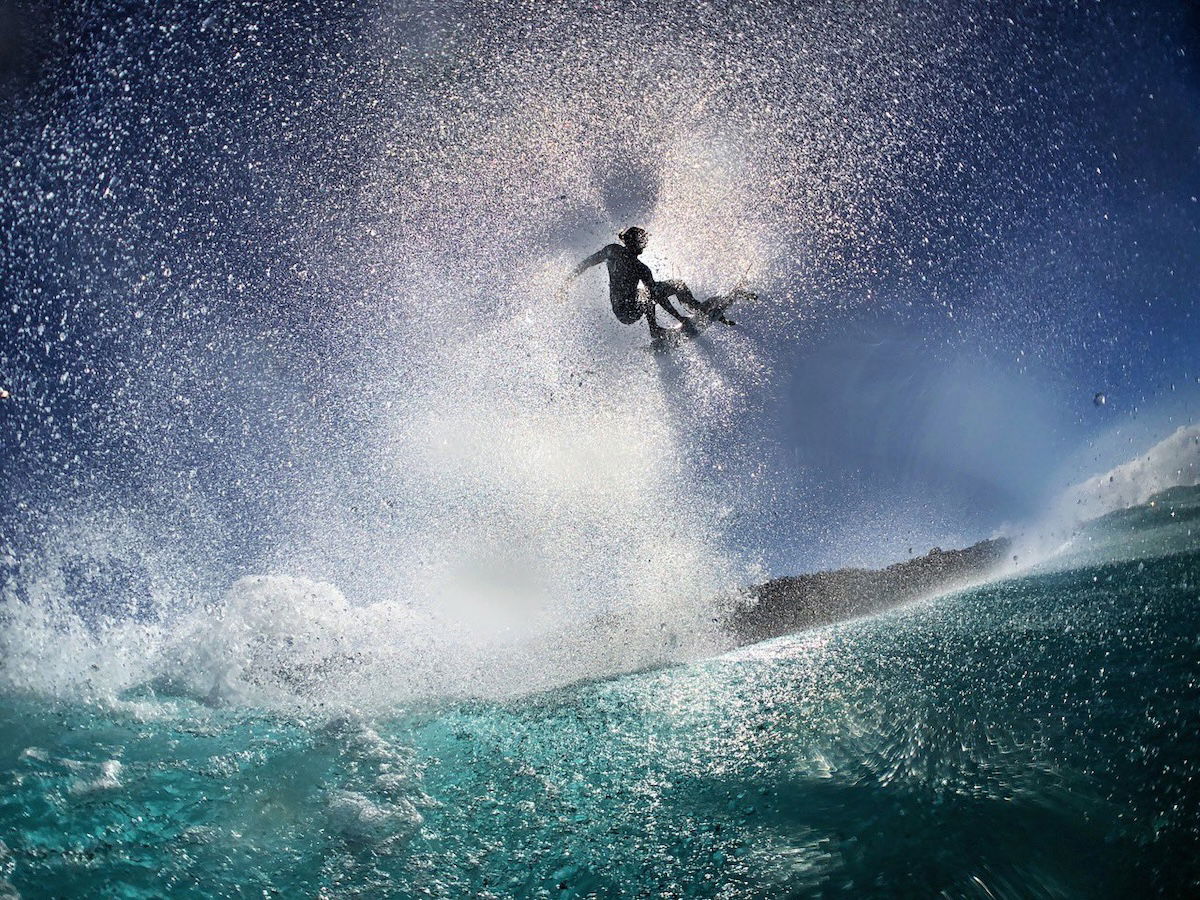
[{"x": 626, "y": 272}]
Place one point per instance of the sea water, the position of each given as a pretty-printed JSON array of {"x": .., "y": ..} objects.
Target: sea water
[{"x": 1033, "y": 736}]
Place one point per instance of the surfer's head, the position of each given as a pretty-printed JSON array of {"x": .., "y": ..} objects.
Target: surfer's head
[{"x": 635, "y": 238}]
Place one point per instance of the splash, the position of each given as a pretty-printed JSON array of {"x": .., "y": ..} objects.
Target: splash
[
  {"x": 479, "y": 488},
  {"x": 325, "y": 349}
]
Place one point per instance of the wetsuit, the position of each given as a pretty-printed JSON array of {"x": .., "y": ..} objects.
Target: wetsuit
[{"x": 625, "y": 272}]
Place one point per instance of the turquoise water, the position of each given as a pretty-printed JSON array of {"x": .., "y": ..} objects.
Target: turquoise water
[{"x": 1035, "y": 737}]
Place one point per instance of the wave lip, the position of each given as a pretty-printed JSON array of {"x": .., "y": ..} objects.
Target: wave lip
[{"x": 1172, "y": 462}]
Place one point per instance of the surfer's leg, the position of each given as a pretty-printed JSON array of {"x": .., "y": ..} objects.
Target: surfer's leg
[
  {"x": 663, "y": 290},
  {"x": 666, "y": 304},
  {"x": 679, "y": 290},
  {"x": 684, "y": 293}
]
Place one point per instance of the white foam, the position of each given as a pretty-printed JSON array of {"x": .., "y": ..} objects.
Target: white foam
[
  {"x": 1174, "y": 461},
  {"x": 358, "y": 820},
  {"x": 1171, "y": 462},
  {"x": 109, "y": 778}
]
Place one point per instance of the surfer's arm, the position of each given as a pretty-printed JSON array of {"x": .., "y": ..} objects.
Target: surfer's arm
[{"x": 594, "y": 260}]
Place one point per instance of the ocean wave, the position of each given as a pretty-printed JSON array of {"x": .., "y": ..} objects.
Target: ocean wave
[{"x": 1172, "y": 462}]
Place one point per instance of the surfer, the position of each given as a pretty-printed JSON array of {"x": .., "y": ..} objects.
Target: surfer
[{"x": 626, "y": 272}]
